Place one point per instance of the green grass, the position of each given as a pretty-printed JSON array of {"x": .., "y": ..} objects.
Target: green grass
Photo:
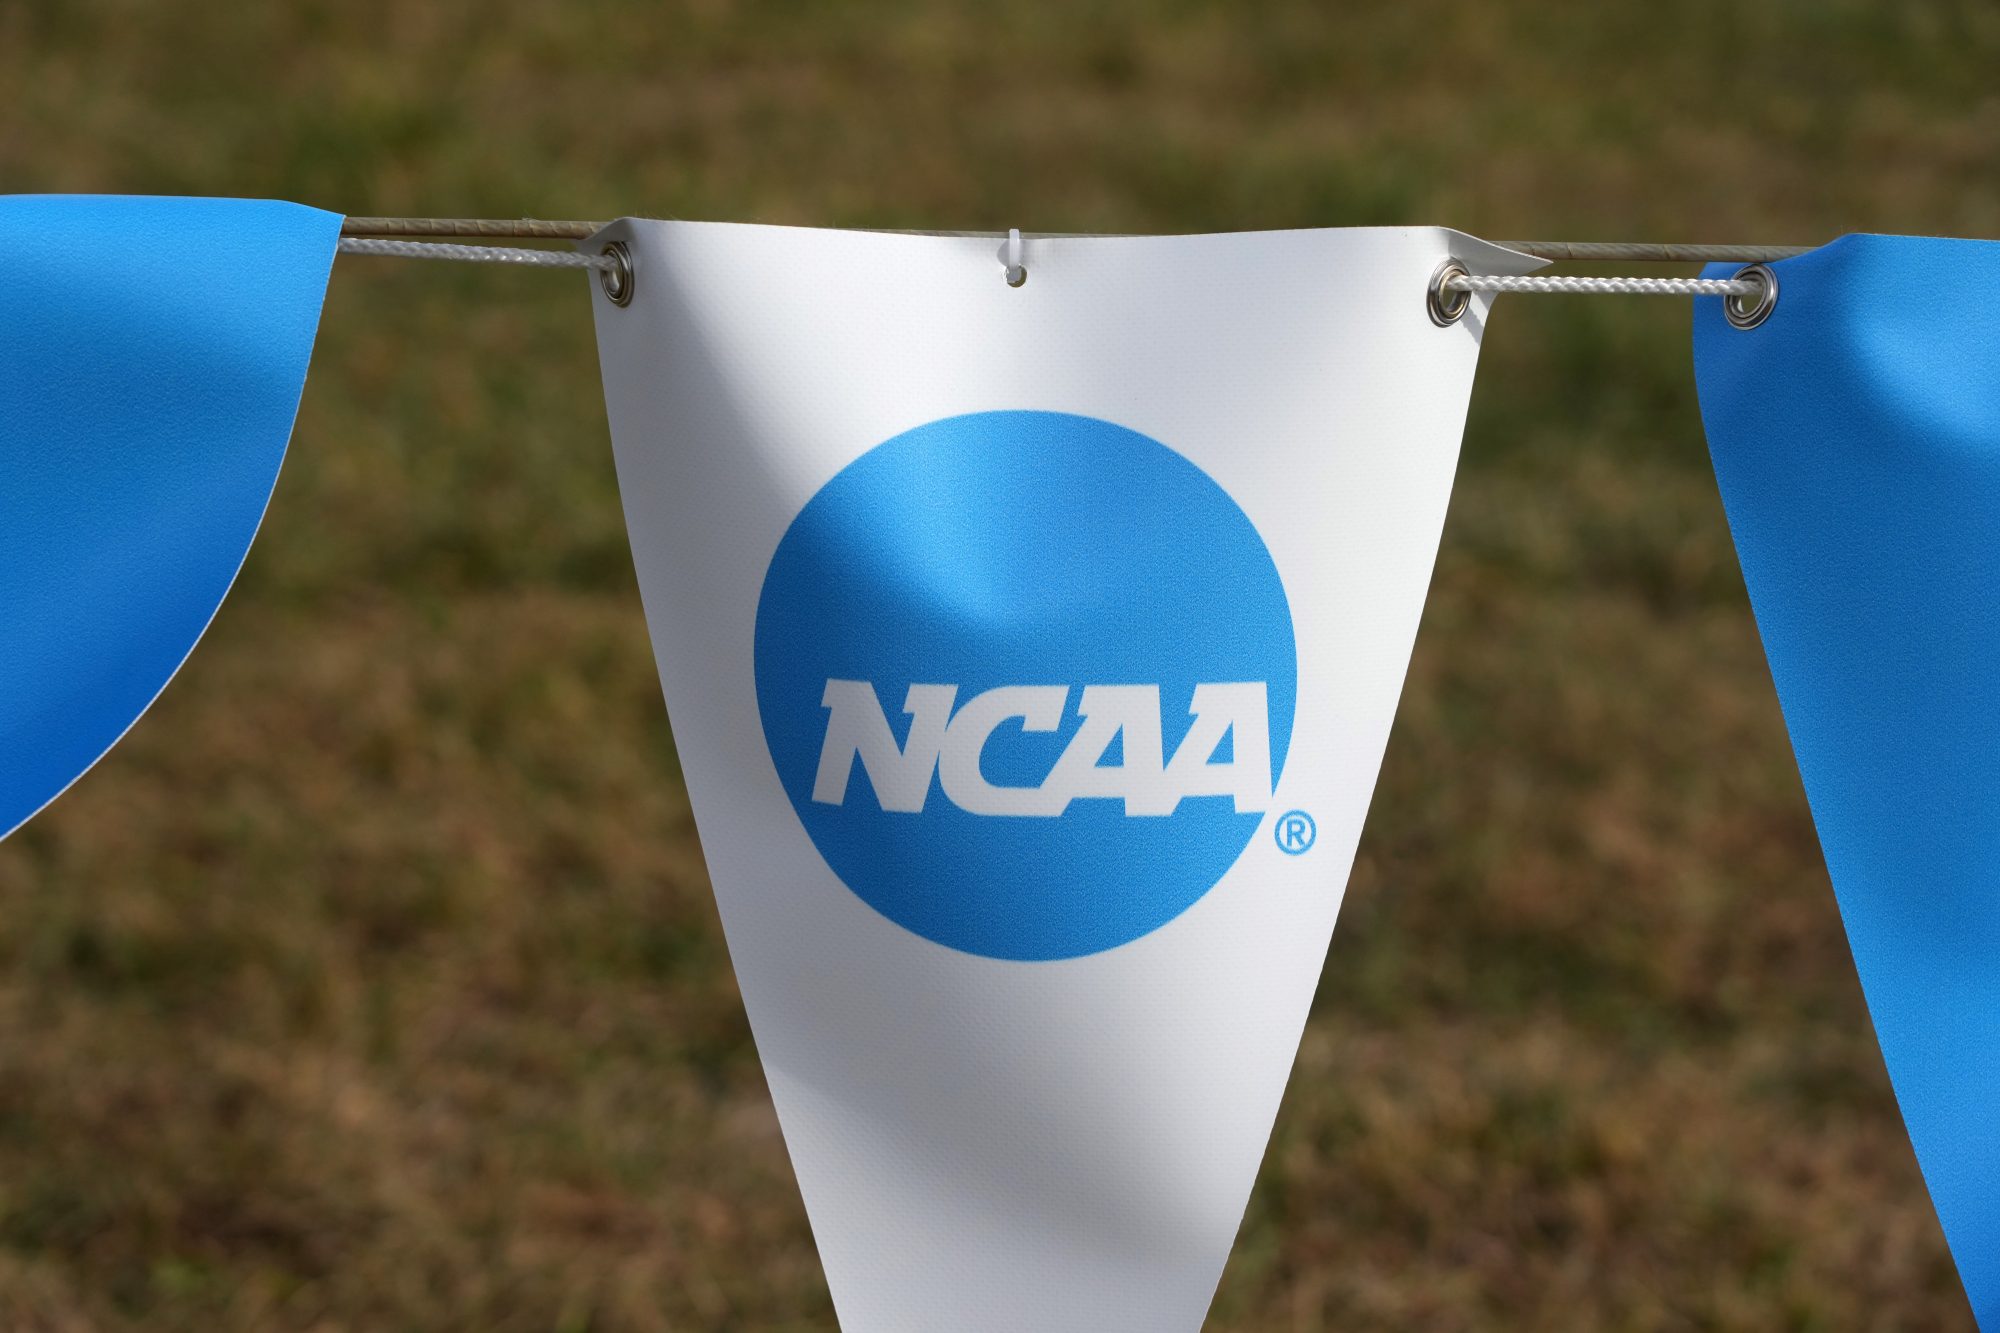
[{"x": 374, "y": 984}]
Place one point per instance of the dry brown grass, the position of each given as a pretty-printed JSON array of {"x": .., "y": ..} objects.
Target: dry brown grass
[{"x": 373, "y": 983}]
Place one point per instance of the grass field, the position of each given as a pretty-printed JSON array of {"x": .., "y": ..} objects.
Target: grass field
[{"x": 374, "y": 983}]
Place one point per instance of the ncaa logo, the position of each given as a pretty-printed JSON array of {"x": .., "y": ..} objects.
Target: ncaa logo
[{"x": 1028, "y": 679}]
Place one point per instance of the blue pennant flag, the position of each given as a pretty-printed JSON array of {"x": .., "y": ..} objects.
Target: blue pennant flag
[
  {"x": 1856, "y": 438},
  {"x": 152, "y": 353}
]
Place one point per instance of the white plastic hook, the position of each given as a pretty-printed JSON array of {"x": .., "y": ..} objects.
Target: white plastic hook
[{"x": 1010, "y": 257}]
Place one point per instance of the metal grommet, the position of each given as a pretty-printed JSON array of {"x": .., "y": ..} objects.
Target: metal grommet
[
  {"x": 1747, "y": 312},
  {"x": 1445, "y": 306},
  {"x": 617, "y": 281}
]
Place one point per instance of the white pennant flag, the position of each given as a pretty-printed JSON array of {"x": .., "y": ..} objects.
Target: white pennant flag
[{"x": 1031, "y": 651}]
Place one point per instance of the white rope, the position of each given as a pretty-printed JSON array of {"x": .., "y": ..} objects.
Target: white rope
[
  {"x": 1615, "y": 286},
  {"x": 482, "y": 254}
]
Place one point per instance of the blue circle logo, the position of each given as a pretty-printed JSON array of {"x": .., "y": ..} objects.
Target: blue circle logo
[{"x": 1028, "y": 679}]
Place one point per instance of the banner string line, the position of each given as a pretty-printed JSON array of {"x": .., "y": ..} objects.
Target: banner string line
[
  {"x": 496, "y": 254},
  {"x": 1638, "y": 252},
  {"x": 384, "y": 236},
  {"x": 1614, "y": 286},
  {"x": 478, "y": 254}
]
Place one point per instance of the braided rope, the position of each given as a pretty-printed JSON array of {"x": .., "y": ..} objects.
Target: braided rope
[
  {"x": 1615, "y": 286},
  {"x": 484, "y": 254}
]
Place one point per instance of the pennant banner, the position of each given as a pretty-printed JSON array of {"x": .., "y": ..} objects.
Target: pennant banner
[
  {"x": 1856, "y": 437},
  {"x": 152, "y": 353},
  {"x": 1031, "y": 652}
]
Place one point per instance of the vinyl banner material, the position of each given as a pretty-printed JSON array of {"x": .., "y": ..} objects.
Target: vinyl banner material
[
  {"x": 1031, "y": 652},
  {"x": 152, "y": 353},
  {"x": 1856, "y": 437}
]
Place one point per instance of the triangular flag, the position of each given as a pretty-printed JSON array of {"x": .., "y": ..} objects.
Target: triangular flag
[
  {"x": 1031, "y": 651},
  {"x": 152, "y": 353},
  {"x": 1856, "y": 437}
]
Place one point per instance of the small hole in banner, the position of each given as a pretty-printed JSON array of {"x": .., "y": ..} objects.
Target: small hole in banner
[{"x": 1011, "y": 258}]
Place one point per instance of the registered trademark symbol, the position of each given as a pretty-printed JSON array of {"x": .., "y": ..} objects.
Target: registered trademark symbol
[{"x": 1296, "y": 833}]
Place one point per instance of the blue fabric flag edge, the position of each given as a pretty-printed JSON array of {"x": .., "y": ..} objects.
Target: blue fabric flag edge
[
  {"x": 1856, "y": 442},
  {"x": 157, "y": 350}
]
